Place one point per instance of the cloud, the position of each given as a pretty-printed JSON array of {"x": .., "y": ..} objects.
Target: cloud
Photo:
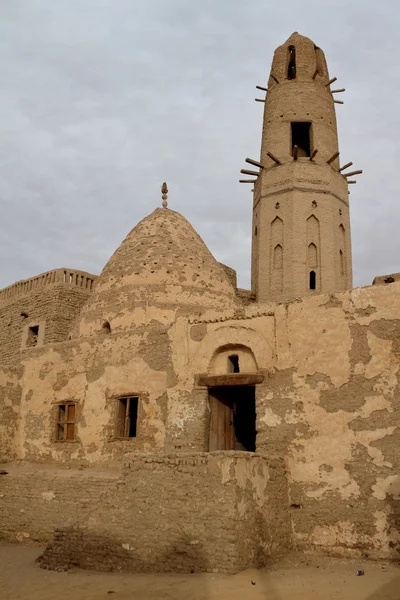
[{"x": 103, "y": 100}]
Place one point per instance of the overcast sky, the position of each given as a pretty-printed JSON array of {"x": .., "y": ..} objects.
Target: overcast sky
[{"x": 103, "y": 100}]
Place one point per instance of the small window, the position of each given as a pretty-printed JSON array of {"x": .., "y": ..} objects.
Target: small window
[
  {"x": 33, "y": 336},
  {"x": 233, "y": 363},
  {"x": 127, "y": 417},
  {"x": 66, "y": 422},
  {"x": 106, "y": 327},
  {"x": 292, "y": 63},
  {"x": 301, "y": 137},
  {"x": 313, "y": 280}
]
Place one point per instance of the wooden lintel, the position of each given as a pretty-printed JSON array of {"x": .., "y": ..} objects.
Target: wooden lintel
[
  {"x": 247, "y": 180},
  {"x": 259, "y": 87},
  {"x": 229, "y": 379},
  {"x": 353, "y": 173},
  {"x": 255, "y": 163},
  {"x": 331, "y": 81},
  {"x": 314, "y": 152},
  {"x": 272, "y": 157},
  {"x": 246, "y": 172},
  {"x": 333, "y": 157},
  {"x": 346, "y": 166}
]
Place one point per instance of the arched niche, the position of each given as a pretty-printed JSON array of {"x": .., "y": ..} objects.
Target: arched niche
[{"x": 232, "y": 358}]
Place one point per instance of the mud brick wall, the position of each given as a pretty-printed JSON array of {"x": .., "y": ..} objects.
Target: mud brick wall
[{"x": 188, "y": 512}]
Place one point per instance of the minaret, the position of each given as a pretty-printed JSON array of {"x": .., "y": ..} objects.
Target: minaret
[{"x": 301, "y": 227}]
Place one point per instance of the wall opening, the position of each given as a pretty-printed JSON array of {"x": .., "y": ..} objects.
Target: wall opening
[
  {"x": 33, "y": 336},
  {"x": 233, "y": 363},
  {"x": 291, "y": 74},
  {"x": 232, "y": 418},
  {"x": 106, "y": 327},
  {"x": 301, "y": 137},
  {"x": 66, "y": 422},
  {"x": 312, "y": 255},
  {"x": 127, "y": 416},
  {"x": 313, "y": 280}
]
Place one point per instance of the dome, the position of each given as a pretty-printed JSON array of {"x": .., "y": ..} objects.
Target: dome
[{"x": 163, "y": 262}]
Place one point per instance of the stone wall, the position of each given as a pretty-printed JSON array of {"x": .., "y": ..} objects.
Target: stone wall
[{"x": 189, "y": 512}]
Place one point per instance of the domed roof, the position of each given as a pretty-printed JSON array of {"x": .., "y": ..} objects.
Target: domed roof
[{"x": 162, "y": 261}]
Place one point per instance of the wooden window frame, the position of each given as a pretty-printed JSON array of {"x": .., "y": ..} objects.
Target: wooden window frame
[
  {"x": 122, "y": 422},
  {"x": 66, "y": 421}
]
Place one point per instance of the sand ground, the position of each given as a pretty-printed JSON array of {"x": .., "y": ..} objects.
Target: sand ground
[{"x": 295, "y": 578}]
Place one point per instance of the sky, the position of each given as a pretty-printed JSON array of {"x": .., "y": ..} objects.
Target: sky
[{"x": 103, "y": 100}]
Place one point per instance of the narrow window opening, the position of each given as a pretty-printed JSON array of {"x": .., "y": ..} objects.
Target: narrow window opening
[
  {"x": 66, "y": 422},
  {"x": 106, "y": 327},
  {"x": 127, "y": 417},
  {"x": 33, "y": 335},
  {"x": 233, "y": 363},
  {"x": 255, "y": 230},
  {"x": 292, "y": 63},
  {"x": 341, "y": 257},
  {"x": 313, "y": 280},
  {"x": 301, "y": 137}
]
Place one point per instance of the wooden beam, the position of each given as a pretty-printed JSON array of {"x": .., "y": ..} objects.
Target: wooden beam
[
  {"x": 314, "y": 152},
  {"x": 272, "y": 157},
  {"x": 352, "y": 182},
  {"x": 247, "y": 180},
  {"x": 315, "y": 74},
  {"x": 259, "y": 100},
  {"x": 338, "y": 91},
  {"x": 333, "y": 157},
  {"x": 259, "y": 87},
  {"x": 229, "y": 379},
  {"x": 274, "y": 78},
  {"x": 246, "y": 172},
  {"x": 346, "y": 166},
  {"x": 353, "y": 173},
  {"x": 331, "y": 81},
  {"x": 295, "y": 152},
  {"x": 255, "y": 163},
  {"x": 338, "y": 101}
]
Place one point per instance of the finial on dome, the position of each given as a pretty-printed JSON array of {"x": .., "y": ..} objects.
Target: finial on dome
[{"x": 164, "y": 192}]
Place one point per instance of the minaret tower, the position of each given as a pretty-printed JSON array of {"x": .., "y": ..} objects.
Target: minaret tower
[{"x": 301, "y": 227}]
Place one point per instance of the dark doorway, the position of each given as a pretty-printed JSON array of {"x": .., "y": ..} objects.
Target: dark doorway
[{"x": 233, "y": 418}]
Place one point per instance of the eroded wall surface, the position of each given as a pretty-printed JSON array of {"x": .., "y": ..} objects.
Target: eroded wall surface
[{"x": 188, "y": 512}]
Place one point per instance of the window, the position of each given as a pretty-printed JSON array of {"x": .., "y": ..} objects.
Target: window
[
  {"x": 127, "y": 417},
  {"x": 66, "y": 422},
  {"x": 106, "y": 327},
  {"x": 301, "y": 137},
  {"x": 233, "y": 363},
  {"x": 33, "y": 335},
  {"x": 292, "y": 63},
  {"x": 313, "y": 280}
]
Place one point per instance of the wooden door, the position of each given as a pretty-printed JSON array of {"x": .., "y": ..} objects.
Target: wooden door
[{"x": 222, "y": 431}]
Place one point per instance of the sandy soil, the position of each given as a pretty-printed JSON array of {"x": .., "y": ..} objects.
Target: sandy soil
[{"x": 295, "y": 578}]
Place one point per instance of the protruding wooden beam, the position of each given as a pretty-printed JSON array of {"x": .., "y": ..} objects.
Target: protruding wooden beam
[
  {"x": 333, "y": 157},
  {"x": 272, "y": 157},
  {"x": 246, "y": 172},
  {"x": 259, "y": 100},
  {"x": 315, "y": 74},
  {"x": 314, "y": 152},
  {"x": 338, "y": 91},
  {"x": 274, "y": 78},
  {"x": 247, "y": 180},
  {"x": 352, "y": 182},
  {"x": 331, "y": 81},
  {"x": 295, "y": 152},
  {"x": 338, "y": 101},
  {"x": 353, "y": 173},
  {"x": 255, "y": 163},
  {"x": 259, "y": 87},
  {"x": 346, "y": 166}
]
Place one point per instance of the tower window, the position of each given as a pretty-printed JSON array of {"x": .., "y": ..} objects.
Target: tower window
[
  {"x": 292, "y": 63},
  {"x": 127, "y": 417},
  {"x": 301, "y": 137},
  {"x": 33, "y": 335},
  {"x": 233, "y": 363},
  {"x": 313, "y": 280},
  {"x": 66, "y": 422}
]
